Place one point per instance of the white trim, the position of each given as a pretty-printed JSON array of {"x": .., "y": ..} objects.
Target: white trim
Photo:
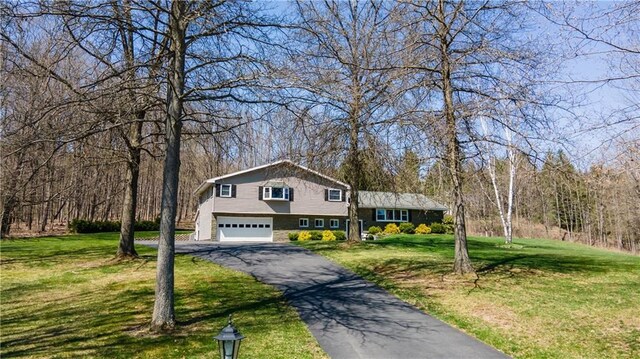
[
  {"x": 300, "y": 225},
  {"x": 285, "y": 194},
  {"x": 339, "y": 196},
  {"x": 337, "y": 223},
  {"x": 215, "y": 179},
  {"x": 277, "y": 213},
  {"x": 230, "y": 190},
  {"x": 392, "y": 220},
  {"x": 268, "y": 220},
  {"x": 315, "y": 223}
]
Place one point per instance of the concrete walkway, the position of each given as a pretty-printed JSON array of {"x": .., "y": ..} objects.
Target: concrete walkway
[{"x": 349, "y": 316}]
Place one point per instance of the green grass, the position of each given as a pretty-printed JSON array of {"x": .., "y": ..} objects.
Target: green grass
[
  {"x": 67, "y": 297},
  {"x": 534, "y": 299}
]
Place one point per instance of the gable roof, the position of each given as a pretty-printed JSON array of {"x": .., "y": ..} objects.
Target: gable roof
[
  {"x": 367, "y": 199},
  {"x": 206, "y": 184}
]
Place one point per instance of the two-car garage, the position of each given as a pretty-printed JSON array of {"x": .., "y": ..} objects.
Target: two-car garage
[{"x": 245, "y": 229}]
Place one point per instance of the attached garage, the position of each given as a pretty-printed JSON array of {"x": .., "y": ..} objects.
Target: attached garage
[{"x": 245, "y": 229}]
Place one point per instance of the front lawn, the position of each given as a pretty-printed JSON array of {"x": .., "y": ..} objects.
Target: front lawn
[
  {"x": 535, "y": 299},
  {"x": 66, "y": 297}
]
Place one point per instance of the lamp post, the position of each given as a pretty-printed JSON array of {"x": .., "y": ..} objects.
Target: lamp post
[{"x": 229, "y": 341}]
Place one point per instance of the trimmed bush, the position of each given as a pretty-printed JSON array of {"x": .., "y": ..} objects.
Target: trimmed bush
[
  {"x": 84, "y": 226},
  {"x": 407, "y": 228},
  {"x": 328, "y": 236},
  {"x": 340, "y": 235},
  {"x": 374, "y": 230},
  {"x": 423, "y": 229},
  {"x": 304, "y": 236},
  {"x": 391, "y": 228},
  {"x": 438, "y": 228},
  {"x": 316, "y": 236},
  {"x": 293, "y": 236}
]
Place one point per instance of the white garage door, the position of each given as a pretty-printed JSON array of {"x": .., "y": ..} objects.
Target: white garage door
[{"x": 245, "y": 229}]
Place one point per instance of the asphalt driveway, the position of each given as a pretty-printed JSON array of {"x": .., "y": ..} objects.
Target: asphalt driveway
[{"x": 349, "y": 316}]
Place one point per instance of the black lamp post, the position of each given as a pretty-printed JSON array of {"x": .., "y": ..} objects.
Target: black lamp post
[{"x": 229, "y": 341}]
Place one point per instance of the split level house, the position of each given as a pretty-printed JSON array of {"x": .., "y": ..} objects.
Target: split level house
[{"x": 267, "y": 202}]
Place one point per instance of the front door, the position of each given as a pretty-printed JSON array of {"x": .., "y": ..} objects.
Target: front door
[{"x": 359, "y": 227}]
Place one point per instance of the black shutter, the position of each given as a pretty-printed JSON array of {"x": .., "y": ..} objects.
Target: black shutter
[
  {"x": 409, "y": 215},
  {"x": 217, "y": 189},
  {"x": 344, "y": 196},
  {"x": 326, "y": 194},
  {"x": 260, "y": 193},
  {"x": 290, "y": 194},
  {"x": 233, "y": 191},
  {"x": 373, "y": 215}
]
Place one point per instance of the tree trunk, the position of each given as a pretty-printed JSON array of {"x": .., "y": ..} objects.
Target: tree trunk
[
  {"x": 461, "y": 262},
  {"x": 353, "y": 176},
  {"x": 163, "y": 311},
  {"x": 126, "y": 246}
]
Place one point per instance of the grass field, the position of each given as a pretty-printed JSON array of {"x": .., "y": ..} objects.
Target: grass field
[
  {"x": 66, "y": 297},
  {"x": 535, "y": 299}
]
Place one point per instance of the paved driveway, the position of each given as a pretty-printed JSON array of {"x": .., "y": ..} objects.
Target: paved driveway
[{"x": 349, "y": 316}]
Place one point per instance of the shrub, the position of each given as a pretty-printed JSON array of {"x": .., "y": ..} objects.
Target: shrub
[
  {"x": 340, "y": 235},
  {"x": 84, "y": 226},
  {"x": 316, "y": 236},
  {"x": 423, "y": 229},
  {"x": 304, "y": 236},
  {"x": 438, "y": 228},
  {"x": 293, "y": 236},
  {"x": 391, "y": 228},
  {"x": 448, "y": 223},
  {"x": 374, "y": 230},
  {"x": 328, "y": 236},
  {"x": 447, "y": 219},
  {"x": 147, "y": 226},
  {"x": 407, "y": 228}
]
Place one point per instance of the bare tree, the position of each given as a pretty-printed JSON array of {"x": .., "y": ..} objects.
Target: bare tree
[{"x": 343, "y": 79}]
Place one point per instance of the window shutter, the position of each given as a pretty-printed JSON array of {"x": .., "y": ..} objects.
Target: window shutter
[
  {"x": 326, "y": 194},
  {"x": 409, "y": 215},
  {"x": 260, "y": 193},
  {"x": 373, "y": 215},
  {"x": 217, "y": 189},
  {"x": 233, "y": 191},
  {"x": 344, "y": 196},
  {"x": 290, "y": 194}
]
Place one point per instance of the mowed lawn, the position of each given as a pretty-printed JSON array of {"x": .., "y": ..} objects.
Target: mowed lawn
[
  {"x": 67, "y": 297},
  {"x": 536, "y": 299}
]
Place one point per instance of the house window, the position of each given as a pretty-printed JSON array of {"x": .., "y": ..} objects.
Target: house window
[
  {"x": 335, "y": 195},
  {"x": 392, "y": 215},
  {"x": 276, "y": 193},
  {"x": 334, "y": 223},
  {"x": 303, "y": 222},
  {"x": 225, "y": 190},
  {"x": 319, "y": 223}
]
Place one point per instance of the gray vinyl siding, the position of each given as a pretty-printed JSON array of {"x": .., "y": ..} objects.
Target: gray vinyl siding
[{"x": 308, "y": 194}]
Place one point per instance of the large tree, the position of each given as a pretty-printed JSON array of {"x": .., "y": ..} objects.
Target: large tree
[
  {"x": 343, "y": 78},
  {"x": 473, "y": 60}
]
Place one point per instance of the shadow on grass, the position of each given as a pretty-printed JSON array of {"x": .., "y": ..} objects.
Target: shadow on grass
[{"x": 488, "y": 256}]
